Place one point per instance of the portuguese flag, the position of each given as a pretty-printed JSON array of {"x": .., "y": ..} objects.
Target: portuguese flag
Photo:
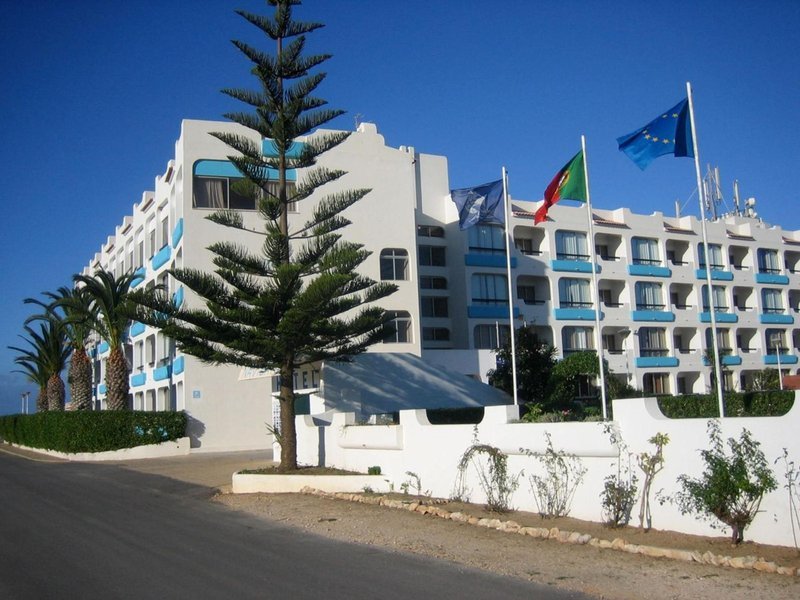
[{"x": 568, "y": 184}]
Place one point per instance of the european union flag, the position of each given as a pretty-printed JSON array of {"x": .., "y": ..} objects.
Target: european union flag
[
  {"x": 480, "y": 204},
  {"x": 669, "y": 133}
]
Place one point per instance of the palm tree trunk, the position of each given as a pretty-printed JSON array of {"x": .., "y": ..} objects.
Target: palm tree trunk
[
  {"x": 80, "y": 380},
  {"x": 55, "y": 392},
  {"x": 117, "y": 380},
  {"x": 41, "y": 400}
]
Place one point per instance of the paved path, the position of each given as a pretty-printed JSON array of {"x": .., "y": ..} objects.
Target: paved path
[{"x": 80, "y": 530}]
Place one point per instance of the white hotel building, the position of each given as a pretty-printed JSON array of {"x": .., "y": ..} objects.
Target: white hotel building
[{"x": 452, "y": 301}]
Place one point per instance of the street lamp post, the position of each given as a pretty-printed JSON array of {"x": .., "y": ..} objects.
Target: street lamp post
[{"x": 778, "y": 343}]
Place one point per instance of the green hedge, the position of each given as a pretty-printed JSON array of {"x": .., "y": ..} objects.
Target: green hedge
[
  {"x": 737, "y": 404},
  {"x": 87, "y": 431}
]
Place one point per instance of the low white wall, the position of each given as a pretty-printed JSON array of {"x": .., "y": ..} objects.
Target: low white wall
[
  {"x": 179, "y": 447},
  {"x": 433, "y": 451}
]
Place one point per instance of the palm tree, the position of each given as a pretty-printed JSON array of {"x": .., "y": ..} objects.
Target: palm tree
[
  {"x": 44, "y": 361},
  {"x": 78, "y": 314},
  {"x": 111, "y": 317}
]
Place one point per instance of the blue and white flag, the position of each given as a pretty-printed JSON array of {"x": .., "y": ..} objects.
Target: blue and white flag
[
  {"x": 480, "y": 204},
  {"x": 668, "y": 133}
]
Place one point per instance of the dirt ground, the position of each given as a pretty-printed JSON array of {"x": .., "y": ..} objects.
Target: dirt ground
[{"x": 602, "y": 573}]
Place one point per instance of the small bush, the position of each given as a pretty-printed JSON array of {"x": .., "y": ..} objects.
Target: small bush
[
  {"x": 87, "y": 431},
  {"x": 732, "y": 485},
  {"x": 455, "y": 416},
  {"x": 619, "y": 491},
  {"x": 376, "y": 470},
  {"x": 563, "y": 473},
  {"x": 747, "y": 404}
]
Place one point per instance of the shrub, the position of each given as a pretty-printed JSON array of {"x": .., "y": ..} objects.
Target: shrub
[
  {"x": 87, "y": 431},
  {"x": 732, "y": 485},
  {"x": 376, "y": 470},
  {"x": 455, "y": 416},
  {"x": 496, "y": 483},
  {"x": 619, "y": 491},
  {"x": 563, "y": 473},
  {"x": 651, "y": 465},
  {"x": 747, "y": 404}
]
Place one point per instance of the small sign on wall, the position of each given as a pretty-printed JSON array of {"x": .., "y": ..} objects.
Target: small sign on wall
[{"x": 197, "y": 394}]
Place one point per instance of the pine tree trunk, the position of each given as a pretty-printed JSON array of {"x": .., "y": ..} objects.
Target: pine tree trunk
[
  {"x": 56, "y": 392},
  {"x": 80, "y": 380},
  {"x": 117, "y": 380},
  {"x": 41, "y": 400},
  {"x": 288, "y": 430}
]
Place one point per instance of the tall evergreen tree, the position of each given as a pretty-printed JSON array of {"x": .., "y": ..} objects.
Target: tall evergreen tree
[
  {"x": 75, "y": 309},
  {"x": 301, "y": 300},
  {"x": 111, "y": 316}
]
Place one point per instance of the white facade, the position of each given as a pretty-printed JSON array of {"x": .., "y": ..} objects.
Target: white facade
[{"x": 452, "y": 298}]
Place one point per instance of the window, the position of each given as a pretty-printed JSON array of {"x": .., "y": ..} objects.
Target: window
[
  {"x": 487, "y": 239},
  {"x": 649, "y": 295},
  {"x": 150, "y": 349},
  {"x": 768, "y": 261},
  {"x": 139, "y": 262},
  {"x": 138, "y": 357},
  {"x": 656, "y": 383},
  {"x": 489, "y": 289},
  {"x": 164, "y": 231},
  {"x": 435, "y": 334},
  {"x": 485, "y": 336},
  {"x": 574, "y": 293},
  {"x": 394, "y": 264},
  {"x": 571, "y": 245},
  {"x": 398, "y": 329},
  {"x": 577, "y": 339},
  {"x": 525, "y": 245},
  {"x": 430, "y": 231},
  {"x": 720, "y": 302},
  {"x": 429, "y": 282},
  {"x": 653, "y": 341},
  {"x": 129, "y": 258},
  {"x": 527, "y": 293},
  {"x": 645, "y": 251},
  {"x": 723, "y": 341},
  {"x": 434, "y": 306},
  {"x": 775, "y": 339},
  {"x": 226, "y": 192},
  {"x": 151, "y": 237},
  {"x": 771, "y": 301},
  {"x": 432, "y": 256},
  {"x": 714, "y": 257}
]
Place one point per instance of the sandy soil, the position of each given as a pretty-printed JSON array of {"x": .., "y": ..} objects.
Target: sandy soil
[{"x": 603, "y": 573}]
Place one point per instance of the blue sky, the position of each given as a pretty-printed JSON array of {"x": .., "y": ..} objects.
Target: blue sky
[{"x": 94, "y": 92}]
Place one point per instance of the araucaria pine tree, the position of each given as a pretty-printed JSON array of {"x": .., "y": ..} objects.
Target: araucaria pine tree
[{"x": 301, "y": 299}]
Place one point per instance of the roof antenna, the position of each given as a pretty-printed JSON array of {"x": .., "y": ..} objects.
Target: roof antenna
[{"x": 357, "y": 120}]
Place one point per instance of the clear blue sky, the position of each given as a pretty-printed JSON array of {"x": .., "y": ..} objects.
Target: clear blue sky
[{"x": 93, "y": 94}]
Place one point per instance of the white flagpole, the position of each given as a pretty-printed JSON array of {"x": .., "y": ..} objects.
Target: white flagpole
[
  {"x": 507, "y": 208},
  {"x": 598, "y": 339},
  {"x": 701, "y": 195}
]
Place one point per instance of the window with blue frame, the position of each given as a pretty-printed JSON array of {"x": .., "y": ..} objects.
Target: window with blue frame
[
  {"x": 486, "y": 239},
  {"x": 768, "y": 261},
  {"x": 653, "y": 341},
  {"x": 649, "y": 295},
  {"x": 571, "y": 245},
  {"x": 577, "y": 339},
  {"x": 720, "y": 300},
  {"x": 771, "y": 301},
  {"x": 485, "y": 337},
  {"x": 488, "y": 289},
  {"x": 645, "y": 251},
  {"x": 574, "y": 293},
  {"x": 714, "y": 257}
]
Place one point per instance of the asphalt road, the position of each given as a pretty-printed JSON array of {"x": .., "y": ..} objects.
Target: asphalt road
[{"x": 72, "y": 530}]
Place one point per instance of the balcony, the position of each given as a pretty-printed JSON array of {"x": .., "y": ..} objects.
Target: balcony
[
  {"x": 102, "y": 348},
  {"x": 478, "y": 259},
  {"x": 573, "y": 263},
  {"x": 772, "y": 278},
  {"x": 652, "y": 312},
  {"x": 647, "y": 362},
  {"x": 138, "y": 380},
  {"x": 161, "y": 257},
  {"x": 178, "y": 365},
  {"x": 138, "y": 276},
  {"x": 177, "y": 233},
  {"x": 786, "y": 359},
  {"x": 775, "y": 316},
  {"x": 721, "y": 315},
  {"x": 648, "y": 268},
  {"x": 162, "y": 373},
  {"x": 489, "y": 311},
  {"x": 716, "y": 274}
]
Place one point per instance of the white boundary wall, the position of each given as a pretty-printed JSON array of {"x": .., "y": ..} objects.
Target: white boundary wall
[{"x": 433, "y": 453}]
